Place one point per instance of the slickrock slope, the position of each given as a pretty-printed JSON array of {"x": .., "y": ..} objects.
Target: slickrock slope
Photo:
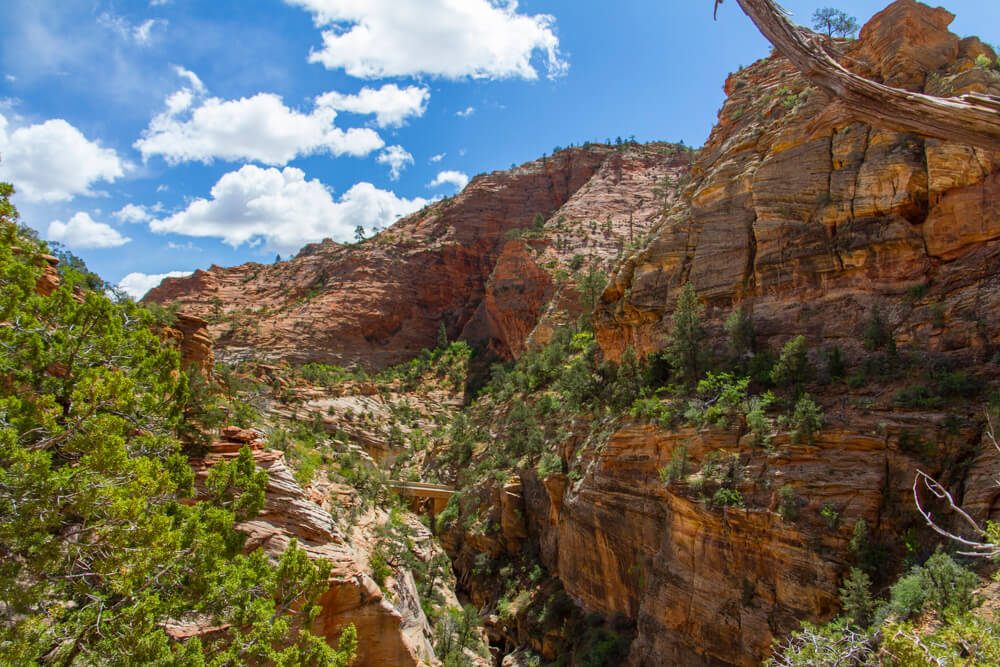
[
  {"x": 808, "y": 231},
  {"x": 455, "y": 263}
]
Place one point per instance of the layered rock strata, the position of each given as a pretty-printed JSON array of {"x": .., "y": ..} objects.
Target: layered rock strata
[{"x": 484, "y": 264}]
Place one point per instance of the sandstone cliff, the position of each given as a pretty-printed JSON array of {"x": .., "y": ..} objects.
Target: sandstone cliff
[
  {"x": 809, "y": 228},
  {"x": 484, "y": 264},
  {"x": 805, "y": 225}
]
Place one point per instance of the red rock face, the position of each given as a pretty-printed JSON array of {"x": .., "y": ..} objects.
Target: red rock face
[
  {"x": 382, "y": 301},
  {"x": 388, "y": 634},
  {"x": 807, "y": 227},
  {"x": 454, "y": 263},
  {"x": 194, "y": 341}
]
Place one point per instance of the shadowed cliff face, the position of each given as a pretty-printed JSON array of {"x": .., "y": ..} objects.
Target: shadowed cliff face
[{"x": 382, "y": 301}]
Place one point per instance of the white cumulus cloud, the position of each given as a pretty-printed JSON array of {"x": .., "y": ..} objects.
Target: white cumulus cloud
[
  {"x": 397, "y": 158},
  {"x": 137, "y": 284},
  {"x": 259, "y": 128},
  {"x": 438, "y": 157},
  {"x": 53, "y": 161},
  {"x": 83, "y": 232},
  {"x": 284, "y": 210},
  {"x": 391, "y": 104},
  {"x": 456, "y": 178},
  {"x": 454, "y": 39},
  {"x": 466, "y": 112}
]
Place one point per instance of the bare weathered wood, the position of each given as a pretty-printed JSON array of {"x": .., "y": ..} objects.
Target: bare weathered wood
[{"x": 969, "y": 119}]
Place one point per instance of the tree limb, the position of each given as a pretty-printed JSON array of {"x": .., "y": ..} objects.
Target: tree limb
[{"x": 968, "y": 119}]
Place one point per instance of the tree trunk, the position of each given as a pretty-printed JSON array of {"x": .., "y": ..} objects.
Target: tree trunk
[{"x": 968, "y": 119}]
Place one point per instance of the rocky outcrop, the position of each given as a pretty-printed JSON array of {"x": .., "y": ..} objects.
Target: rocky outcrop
[
  {"x": 808, "y": 231},
  {"x": 382, "y": 301},
  {"x": 389, "y": 632},
  {"x": 193, "y": 341}
]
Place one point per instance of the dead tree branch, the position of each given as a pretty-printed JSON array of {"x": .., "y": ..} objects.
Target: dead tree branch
[{"x": 968, "y": 119}]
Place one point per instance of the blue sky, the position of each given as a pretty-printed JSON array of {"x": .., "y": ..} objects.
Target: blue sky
[{"x": 154, "y": 136}]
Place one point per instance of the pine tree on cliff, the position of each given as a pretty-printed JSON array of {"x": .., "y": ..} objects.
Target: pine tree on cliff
[
  {"x": 103, "y": 545},
  {"x": 834, "y": 22},
  {"x": 684, "y": 346}
]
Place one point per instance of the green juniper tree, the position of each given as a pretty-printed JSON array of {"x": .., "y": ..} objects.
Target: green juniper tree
[{"x": 103, "y": 543}]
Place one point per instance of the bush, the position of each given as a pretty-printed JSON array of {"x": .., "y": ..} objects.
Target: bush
[
  {"x": 868, "y": 554},
  {"x": 677, "y": 469},
  {"x": 806, "y": 419},
  {"x": 726, "y": 497},
  {"x": 793, "y": 368},
  {"x": 788, "y": 503},
  {"x": 941, "y": 583},
  {"x": 876, "y": 334}
]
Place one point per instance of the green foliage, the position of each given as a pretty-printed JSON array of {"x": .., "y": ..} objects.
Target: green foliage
[
  {"x": 831, "y": 515},
  {"x": 757, "y": 420},
  {"x": 793, "y": 368},
  {"x": 740, "y": 331},
  {"x": 590, "y": 284},
  {"x": 726, "y": 497},
  {"x": 788, "y": 503},
  {"x": 602, "y": 647},
  {"x": 806, "y": 419},
  {"x": 830, "y": 645},
  {"x": 442, "y": 339},
  {"x": 677, "y": 469},
  {"x": 940, "y": 583},
  {"x": 685, "y": 346},
  {"x": 965, "y": 640},
  {"x": 876, "y": 334},
  {"x": 102, "y": 542},
  {"x": 856, "y": 598},
  {"x": 868, "y": 554},
  {"x": 69, "y": 262},
  {"x": 456, "y": 631},
  {"x": 834, "y": 22},
  {"x": 549, "y": 464},
  {"x": 835, "y": 364}
]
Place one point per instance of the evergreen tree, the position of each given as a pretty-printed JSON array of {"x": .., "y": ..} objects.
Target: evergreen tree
[
  {"x": 102, "y": 541},
  {"x": 793, "y": 368},
  {"x": 684, "y": 346},
  {"x": 856, "y": 597},
  {"x": 834, "y": 22}
]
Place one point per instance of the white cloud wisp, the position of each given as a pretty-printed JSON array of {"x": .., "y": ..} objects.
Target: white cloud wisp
[
  {"x": 391, "y": 104},
  {"x": 455, "y": 178},
  {"x": 397, "y": 158}
]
